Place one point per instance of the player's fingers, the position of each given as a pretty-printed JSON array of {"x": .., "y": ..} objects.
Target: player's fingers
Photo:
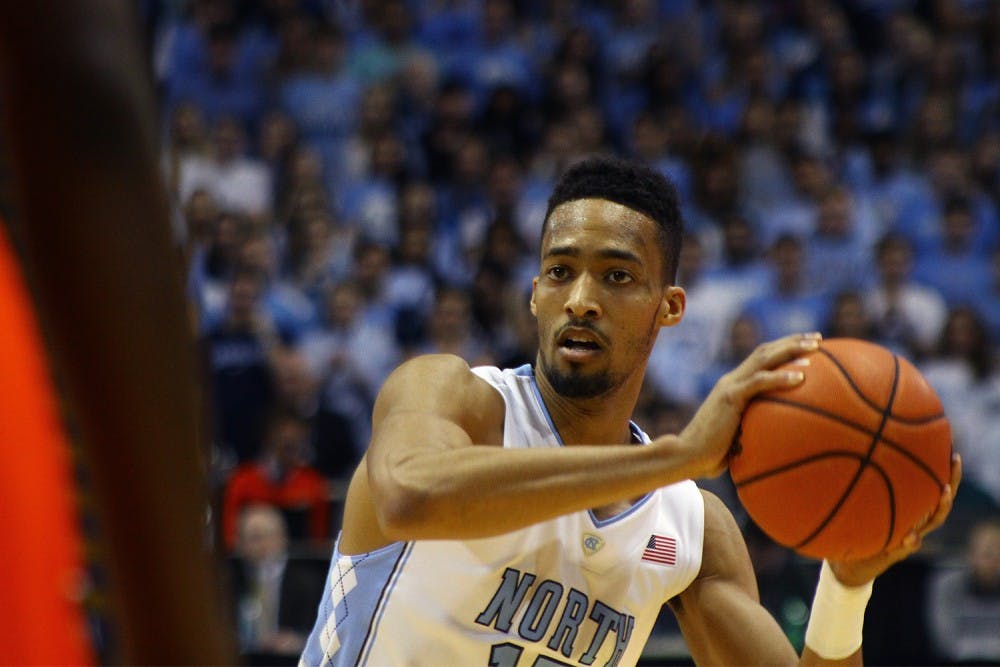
[
  {"x": 776, "y": 352},
  {"x": 761, "y": 381},
  {"x": 947, "y": 497},
  {"x": 956, "y": 472},
  {"x": 914, "y": 539},
  {"x": 933, "y": 520}
]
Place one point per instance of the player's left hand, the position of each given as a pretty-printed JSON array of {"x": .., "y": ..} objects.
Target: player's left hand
[{"x": 860, "y": 572}]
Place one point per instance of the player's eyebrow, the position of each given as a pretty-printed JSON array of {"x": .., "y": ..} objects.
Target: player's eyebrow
[{"x": 603, "y": 253}]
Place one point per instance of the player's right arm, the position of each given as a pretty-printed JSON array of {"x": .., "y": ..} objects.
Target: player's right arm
[
  {"x": 430, "y": 472},
  {"x": 435, "y": 468}
]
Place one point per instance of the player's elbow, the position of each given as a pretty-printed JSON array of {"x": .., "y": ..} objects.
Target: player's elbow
[
  {"x": 399, "y": 516},
  {"x": 403, "y": 508}
]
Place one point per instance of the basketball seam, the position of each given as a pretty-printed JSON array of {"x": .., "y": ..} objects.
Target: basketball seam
[
  {"x": 812, "y": 458},
  {"x": 872, "y": 404},
  {"x": 850, "y": 424},
  {"x": 864, "y": 464}
]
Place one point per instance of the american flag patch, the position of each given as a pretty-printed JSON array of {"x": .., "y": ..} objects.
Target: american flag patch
[{"x": 661, "y": 549}]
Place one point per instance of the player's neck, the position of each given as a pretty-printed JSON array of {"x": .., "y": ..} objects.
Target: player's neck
[{"x": 600, "y": 420}]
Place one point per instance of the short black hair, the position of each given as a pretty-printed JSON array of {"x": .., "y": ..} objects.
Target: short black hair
[{"x": 631, "y": 184}]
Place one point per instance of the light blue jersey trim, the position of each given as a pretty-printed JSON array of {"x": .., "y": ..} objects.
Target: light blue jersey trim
[
  {"x": 354, "y": 599},
  {"x": 637, "y": 433}
]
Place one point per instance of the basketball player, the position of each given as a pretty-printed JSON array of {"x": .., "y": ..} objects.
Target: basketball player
[{"x": 518, "y": 517}]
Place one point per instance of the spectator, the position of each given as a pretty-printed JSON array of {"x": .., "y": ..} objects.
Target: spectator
[
  {"x": 223, "y": 75},
  {"x": 963, "y": 373},
  {"x": 237, "y": 349},
  {"x": 963, "y": 356},
  {"x": 836, "y": 255},
  {"x": 954, "y": 265},
  {"x": 908, "y": 316},
  {"x": 504, "y": 249},
  {"x": 305, "y": 190},
  {"x": 788, "y": 305},
  {"x": 651, "y": 142},
  {"x": 238, "y": 182},
  {"x": 743, "y": 336},
  {"x": 371, "y": 203},
  {"x": 451, "y": 329},
  {"x": 321, "y": 96},
  {"x": 508, "y": 123},
  {"x": 276, "y": 142},
  {"x": 295, "y": 388},
  {"x": 275, "y": 596},
  {"x": 465, "y": 211},
  {"x": 494, "y": 57},
  {"x": 200, "y": 217},
  {"x": 715, "y": 193},
  {"x": 950, "y": 173},
  {"x": 849, "y": 319},
  {"x": 280, "y": 477},
  {"x": 370, "y": 273},
  {"x": 741, "y": 263},
  {"x": 315, "y": 253},
  {"x": 448, "y": 126},
  {"x": 964, "y": 604},
  {"x": 376, "y": 118},
  {"x": 411, "y": 279},
  {"x": 764, "y": 173},
  {"x": 214, "y": 264},
  {"x": 349, "y": 356},
  {"x": 285, "y": 306},
  {"x": 389, "y": 45},
  {"x": 797, "y": 213},
  {"x": 987, "y": 299},
  {"x": 186, "y": 138},
  {"x": 900, "y": 196}
]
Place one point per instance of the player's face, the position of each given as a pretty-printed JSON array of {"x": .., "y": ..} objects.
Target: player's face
[{"x": 599, "y": 298}]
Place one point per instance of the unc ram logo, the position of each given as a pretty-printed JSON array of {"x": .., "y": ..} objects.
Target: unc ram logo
[{"x": 591, "y": 544}]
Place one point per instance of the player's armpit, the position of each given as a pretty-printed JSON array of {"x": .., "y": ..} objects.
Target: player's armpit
[{"x": 719, "y": 613}]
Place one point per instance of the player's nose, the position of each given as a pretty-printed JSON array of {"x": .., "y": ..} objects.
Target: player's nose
[{"x": 582, "y": 300}]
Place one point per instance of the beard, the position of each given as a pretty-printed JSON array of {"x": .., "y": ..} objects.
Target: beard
[{"x": 576, "y": 384}]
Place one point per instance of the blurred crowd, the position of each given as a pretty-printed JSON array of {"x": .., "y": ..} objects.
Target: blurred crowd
[{"x": 359, "y": 181}]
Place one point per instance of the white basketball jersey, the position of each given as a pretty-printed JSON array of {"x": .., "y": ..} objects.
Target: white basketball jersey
[{"x": 575, "y": 590}]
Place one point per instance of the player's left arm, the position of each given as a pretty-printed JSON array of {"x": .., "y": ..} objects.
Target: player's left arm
[
  {"x": 724, "y": 623},
  {"x": 720, "y": 613}
]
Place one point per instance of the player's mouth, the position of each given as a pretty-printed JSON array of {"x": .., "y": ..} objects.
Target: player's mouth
[{"x": 579, "y": 345}]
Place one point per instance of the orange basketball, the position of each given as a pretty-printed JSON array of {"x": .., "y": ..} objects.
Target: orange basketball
[{"x": 843, "y": 465}]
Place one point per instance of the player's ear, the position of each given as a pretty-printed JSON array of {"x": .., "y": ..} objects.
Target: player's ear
[
  {"x": 673, "y": 305},
  {"x": 534, "y": 285}
]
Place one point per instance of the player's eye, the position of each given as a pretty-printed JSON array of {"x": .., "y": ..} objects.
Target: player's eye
[
  {"x": 557, "y": 272},
  {"x": 619, "y": 277}
]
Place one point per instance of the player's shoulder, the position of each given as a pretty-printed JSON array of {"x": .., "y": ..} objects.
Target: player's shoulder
[
  {"x": 432, "y": 370},
  {"x": 439, "y": 383}
]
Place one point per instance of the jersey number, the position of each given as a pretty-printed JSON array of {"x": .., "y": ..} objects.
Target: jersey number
[{"x": 507, "y": 655}]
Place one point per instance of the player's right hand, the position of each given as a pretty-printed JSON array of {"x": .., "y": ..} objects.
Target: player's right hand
[{"x": 709, "y": 436}]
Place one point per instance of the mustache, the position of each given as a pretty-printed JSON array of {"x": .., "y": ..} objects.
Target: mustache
[{"x": 582, "y": 324}]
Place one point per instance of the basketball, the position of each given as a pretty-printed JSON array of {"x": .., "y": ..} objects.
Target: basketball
[{"x": 843, "y": 465}]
